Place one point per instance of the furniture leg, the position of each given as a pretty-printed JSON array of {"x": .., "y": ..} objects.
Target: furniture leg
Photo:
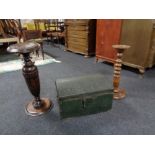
[
  {"x": 142, "y": 70},
  {"x": 37, "y": 53},
  {"x": 96, "y": 60},
  {"x": 42, "y": 50}
]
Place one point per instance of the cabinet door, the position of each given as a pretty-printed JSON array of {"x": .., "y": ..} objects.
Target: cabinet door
[
  {"x": 108, "y": 34},
  {"x": 137, "y": 33}
]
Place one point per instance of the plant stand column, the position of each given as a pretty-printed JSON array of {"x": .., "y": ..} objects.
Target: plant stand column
[
  {"x": 38, "y": 105},
  {"x": 118, "y": 93}
]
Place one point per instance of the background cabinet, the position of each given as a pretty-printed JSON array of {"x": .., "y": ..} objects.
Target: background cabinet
[
  {"x": 139, "y": 33},
  {"x": 107, "y": 34},
  {"x": 80, "y": 36}
]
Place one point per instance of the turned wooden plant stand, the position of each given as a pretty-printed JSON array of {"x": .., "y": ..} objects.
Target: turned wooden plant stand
[
  {"x": 38, "y": 105},
  {"x": 118, "y": 93}
]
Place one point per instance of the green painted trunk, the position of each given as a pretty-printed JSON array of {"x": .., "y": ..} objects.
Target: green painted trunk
[{"x": 84, "y": 95}]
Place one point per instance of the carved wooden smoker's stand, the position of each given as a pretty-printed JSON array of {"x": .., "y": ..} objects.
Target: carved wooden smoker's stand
[
  {"x": 39, "y": 105},
  {"x": 118, "y": 93}
]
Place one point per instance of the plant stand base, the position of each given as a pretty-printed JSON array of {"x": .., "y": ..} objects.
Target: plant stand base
[
  {"x": 47, "y": 105},
  {"x": 120, "y": 94}
]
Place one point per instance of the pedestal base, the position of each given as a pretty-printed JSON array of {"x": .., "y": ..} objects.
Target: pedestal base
[
  {"x": 121, "y": 94},
  {"x": 46, "y": 107}
]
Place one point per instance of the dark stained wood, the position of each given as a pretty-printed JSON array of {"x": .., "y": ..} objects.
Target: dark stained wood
[
  {"x": 10, "y": 28},
  {"x": 34, "y": 35},
  {"x": 107, "y": 34},
  {"x": 54, "y": 31},
  {"x": 37, "y": 106},
  {"x": 2, "y": 32}
]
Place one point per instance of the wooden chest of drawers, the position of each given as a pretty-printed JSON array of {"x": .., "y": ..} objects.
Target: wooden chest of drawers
[
  {"x": 80, "y": 36},
  {"x": 138, "y": 33}
]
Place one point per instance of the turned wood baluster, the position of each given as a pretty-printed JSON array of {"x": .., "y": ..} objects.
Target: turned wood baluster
[
  {"x": 38, "y": 105},
  {"x": 118, "y": 93},
  {"x": 30, "y": 73}
]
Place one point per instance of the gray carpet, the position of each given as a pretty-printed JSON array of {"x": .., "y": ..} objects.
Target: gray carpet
[{"x": 133, "y": 115}]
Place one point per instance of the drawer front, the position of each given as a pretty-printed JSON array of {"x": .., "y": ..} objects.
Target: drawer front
[
  {"x": 77, "y": 28},
  {"x": 77, "y": 44},
  {"x": 77, "y": 34},
  {"x": 77, "y": 48},
  {"x": 84, "y": 44},
  {"x": 77, "y": 22},
  {"x": 80, "y": 41}
]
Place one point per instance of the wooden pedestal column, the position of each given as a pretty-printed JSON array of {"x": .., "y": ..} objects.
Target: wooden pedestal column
[
  {"x": 118, "y": 93},
  {"x": 38, "y": 105}
]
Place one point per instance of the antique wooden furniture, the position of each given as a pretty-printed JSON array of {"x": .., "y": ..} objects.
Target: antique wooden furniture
[
  {"x": 9, "y": 39},
  {"x": 9, "y": 31},
  {"x": 39, "y": 105},
  {"x": 37, "y": 24},
  {"x": 118, "y": 93},
  {"x": 35, "y": 35},
  {"x": 54, "y": 30},
  {"x": 80, "y": 36},
  {"x": 107, "y": 34},
  {"x": 84, "y": 95},
  {"x": 10, "y": 27},
  {"x": 2, "y": 32},
  {"x": 139, "y": 33}
]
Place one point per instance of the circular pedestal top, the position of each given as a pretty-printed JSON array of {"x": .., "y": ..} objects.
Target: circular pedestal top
[
  {"x": 25, "y": 47},
  {"x": 121, "y": 46}
]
